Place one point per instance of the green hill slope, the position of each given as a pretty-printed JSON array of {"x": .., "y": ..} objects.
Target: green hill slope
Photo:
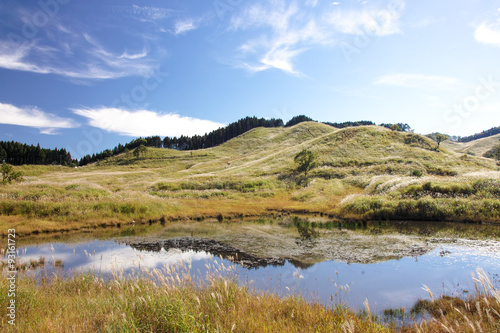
[
  {"x": 476, "y": 147},
  {"x": 363, "y": 172}
]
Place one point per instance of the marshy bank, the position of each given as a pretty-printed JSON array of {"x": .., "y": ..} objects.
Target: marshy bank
[
  {"x": 321, "y": 261},
  {"x": 169, "y": 301},
  {"x": 394, "y": 176}
]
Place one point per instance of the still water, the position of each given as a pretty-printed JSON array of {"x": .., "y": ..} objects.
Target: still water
[{"x": 386, "y": 263}]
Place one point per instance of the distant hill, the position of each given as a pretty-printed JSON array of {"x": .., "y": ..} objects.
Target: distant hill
[
  {"x": 362, "y": 172},
  {"x": 484, "y": 134},
  {"x": 217, "y": 137},
  {"x": 475, "y": 147},
  {"x": 347, "y": 152},
  {"x": 245, "y": 129},
  {"x": 195, "y": 142}
]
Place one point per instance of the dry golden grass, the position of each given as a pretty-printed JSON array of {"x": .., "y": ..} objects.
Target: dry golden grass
[
  {"x": 251, "y": 175},
  {"x": 167, "y": 301},
  {"x": 478, "y": 313},
  {"x": 476, "y": 147}
]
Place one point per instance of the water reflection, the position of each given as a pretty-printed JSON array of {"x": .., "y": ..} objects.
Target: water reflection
[
  {"x": 328, "y": 263},
  {"x": 206, "y": 245}
]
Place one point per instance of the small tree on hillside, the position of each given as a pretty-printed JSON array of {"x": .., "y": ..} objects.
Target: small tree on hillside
[
  {"x": 297, "y": 120},
  {"x": 140, "y": 151},
  {"x": 306, "y": 160},
  {"x": 8, "y": 173},
  {"x": 440, "y": 138},
  {"x": 395, "y": 127},
  {"x": 127, "y": 153}
]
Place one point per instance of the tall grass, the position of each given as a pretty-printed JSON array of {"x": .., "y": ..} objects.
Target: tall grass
[
  {"x": 424, "y": 209},
  {"x": 477, "y": 313},
  {"x": 166, "y": 301}
]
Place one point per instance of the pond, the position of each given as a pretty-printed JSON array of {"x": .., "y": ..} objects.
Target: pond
[{"x": 323, "y": 261}]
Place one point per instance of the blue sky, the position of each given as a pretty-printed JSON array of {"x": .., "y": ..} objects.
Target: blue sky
[{"x": 87, "y": 75}]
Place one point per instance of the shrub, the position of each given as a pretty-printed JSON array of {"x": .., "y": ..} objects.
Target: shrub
[
  {"x": 416, "y": 173},
  {"x": 493, "y": 153},
  {"x": 438, "y": 171},
  {"x": 8, "y": 174}
]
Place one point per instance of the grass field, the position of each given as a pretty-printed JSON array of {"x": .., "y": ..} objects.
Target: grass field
[
  {"x": 168, "y": 301},
  {"x": 476, "y": 147},
  {"x": 364, "y": 172}
]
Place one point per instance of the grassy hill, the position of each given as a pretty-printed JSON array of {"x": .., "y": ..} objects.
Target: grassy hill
[
  {"x": 364, "y": 172},
  {"x": 476, "y": 147}
]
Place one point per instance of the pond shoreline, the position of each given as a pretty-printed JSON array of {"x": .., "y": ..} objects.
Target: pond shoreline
[
  {"x": 37, "y": 227},
  {"x": 266, "y": 252}
]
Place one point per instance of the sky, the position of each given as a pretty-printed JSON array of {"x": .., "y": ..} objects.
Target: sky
[{"x": 87, "y": 75}]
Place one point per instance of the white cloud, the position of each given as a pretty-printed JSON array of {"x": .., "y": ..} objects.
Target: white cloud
[
  {"x": 93, "y": 60},
  {"x": 487, "y": 34},
  {"x": 147, "y": 13},
  {"x": 146, "y": 123},
  {"x": 71, "y": 49},
  {"x": 291, "y": 34},
  {"x": 375, "y": 21},
  {"x": 32, "y": 117},
  {"x": 419, "y": 81},
  {"x": 139, "y": 55},
  {"x": 284, "y": 31},
  {"x": 12, "y": 57},
  {"x": 183, "y": 26}
]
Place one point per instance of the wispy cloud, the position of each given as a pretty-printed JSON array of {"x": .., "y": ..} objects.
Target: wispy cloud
[
  {"x": 291, "y": 34},
  {"x": 147, "y": 13},
  {"x": 145, "y": 122},
  {"x": 78, "y": 50},
  {"x": 418, "y": 81},
  {"x": 12, "y": 56},
  {"x": 285, "y": 30},
  {"x": 379, "y": 22},
  {"x": 33, "y": 117},
  {"x": 183, "y": 26},
  {"x": 91, "y": 60},
  {"x": 488, "y": 34},
  {"x": 139, "y": 55}
]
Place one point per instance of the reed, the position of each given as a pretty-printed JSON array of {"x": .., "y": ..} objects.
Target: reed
[{"x": 168, "y": 300}]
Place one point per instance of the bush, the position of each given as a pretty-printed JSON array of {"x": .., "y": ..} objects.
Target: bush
[
  {"x": 416, "y": 173},
  {"x": 237, "y": 185},
  {"x": 493, "y": 153},
  {"x": 438, "y": 171},
  {"x": 8, "y": 174}
]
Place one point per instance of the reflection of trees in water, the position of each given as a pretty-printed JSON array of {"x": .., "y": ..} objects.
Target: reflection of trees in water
[
  {"x": 300, "y": 264},
  {"x": 210, "y": 246},
  {"x": 307, "y": 236},
  {"x": 219, "y": 249},
  {"x": 419, "y": 228},
  {"x": 307, "y": 233}
]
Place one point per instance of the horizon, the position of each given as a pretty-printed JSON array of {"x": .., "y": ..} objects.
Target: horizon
[
  {"x": 86, "y": 77},
  {"x": 409, "y": 129}
]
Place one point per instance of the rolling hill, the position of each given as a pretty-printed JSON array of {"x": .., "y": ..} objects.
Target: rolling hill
[
  {"x": 363, "y": 173},
  {"x": 476, "y": 147}
]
